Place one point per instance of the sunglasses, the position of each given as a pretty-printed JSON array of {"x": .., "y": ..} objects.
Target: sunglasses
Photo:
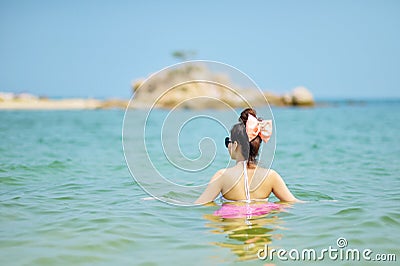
[{"x": 227, "y": 141}]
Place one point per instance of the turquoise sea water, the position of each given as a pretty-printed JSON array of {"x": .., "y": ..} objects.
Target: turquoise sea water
[{"x": 67, "y": 197}]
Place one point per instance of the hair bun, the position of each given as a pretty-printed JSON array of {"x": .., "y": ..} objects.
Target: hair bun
[{"x": 245, "y": 115}]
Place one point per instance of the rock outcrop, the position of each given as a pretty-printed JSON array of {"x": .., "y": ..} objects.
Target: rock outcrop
[
  {"x": 299, "y": 96},
  {"x": 193, "y": 87},
  {"x": 176, "y": 89}
]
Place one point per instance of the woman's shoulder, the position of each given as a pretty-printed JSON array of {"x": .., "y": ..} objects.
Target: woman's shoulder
[
  {"x": 222, "y": 172},
  {"x": 266, "y": 172},
  {"x": 229, "y": 171},
  {"x": 226, "y": 171},
  {"x": 272, "y": 171}
]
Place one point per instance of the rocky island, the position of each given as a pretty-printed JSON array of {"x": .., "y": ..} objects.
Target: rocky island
[
  {"x": 175, "y": 88},
  {"x": 196, "y": 87}
]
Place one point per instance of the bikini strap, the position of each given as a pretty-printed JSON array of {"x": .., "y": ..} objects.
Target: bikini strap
[{"x": 246, "y": 181}]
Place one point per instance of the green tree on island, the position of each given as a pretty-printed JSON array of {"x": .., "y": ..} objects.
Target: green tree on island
[{"x": 183, "y": 55}]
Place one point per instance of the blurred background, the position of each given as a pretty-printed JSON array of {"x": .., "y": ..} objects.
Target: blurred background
[
  {"x": 67, "y": 196},
  {"x": 337, "y": 49}
]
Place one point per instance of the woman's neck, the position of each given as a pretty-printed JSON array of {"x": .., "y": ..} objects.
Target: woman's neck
[{"x": 241, "y": 160}]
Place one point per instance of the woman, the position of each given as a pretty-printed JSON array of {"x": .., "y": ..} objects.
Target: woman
[{"x": 246, "y": 181}]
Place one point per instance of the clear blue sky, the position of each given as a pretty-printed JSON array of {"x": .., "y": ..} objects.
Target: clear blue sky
[{"x": 339, "y": 49}]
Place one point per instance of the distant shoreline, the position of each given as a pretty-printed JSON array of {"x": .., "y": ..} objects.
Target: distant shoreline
[{"x": 9, "y": 101}]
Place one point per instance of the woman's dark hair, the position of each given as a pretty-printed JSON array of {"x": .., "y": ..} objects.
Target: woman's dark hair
[
  {"x": 238, "y": 134},
  {"x": 255, "y": 143}
]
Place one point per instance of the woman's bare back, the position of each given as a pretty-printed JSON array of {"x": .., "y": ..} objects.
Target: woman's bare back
[{"x": 233, "y": 180}]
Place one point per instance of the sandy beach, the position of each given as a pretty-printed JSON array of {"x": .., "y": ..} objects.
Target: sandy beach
[
  {"x": 50, "y": 104},
  {"x": 9, "y": 101}
]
